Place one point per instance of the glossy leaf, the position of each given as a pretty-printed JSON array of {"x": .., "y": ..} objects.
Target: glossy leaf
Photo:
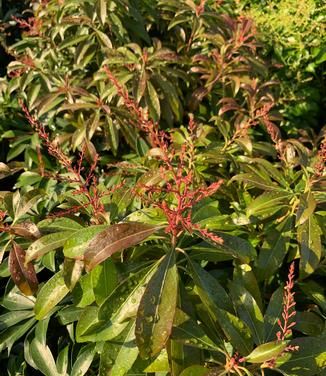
[
  {"x": 45, "y": 244},
  {"x": 51, "y": 293},
  {"x": 268, "y": 204},
  {"x": 72, "y": 271},
  {"x": 118, "y": 357},
  {"x": 22, "y": 274},
  {"x": 115, "y": 239},
  {"x": 266, "y": 351},
  {"x": 157, "y": 308},
  {"x": 272, "y": 314},
  {"x": 83, "y": 361},
  {"x": 309, "y": 360},
  {"x": 43, "y": 358},
  {"x": 310, "y": 246},
  {"x": 76, "y": 244},
  {"x": 104, "y": 280},
  {"x": 248, "y": 311}
]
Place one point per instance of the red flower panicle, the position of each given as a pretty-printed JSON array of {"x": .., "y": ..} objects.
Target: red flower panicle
[{"x": 179, "y": 193}]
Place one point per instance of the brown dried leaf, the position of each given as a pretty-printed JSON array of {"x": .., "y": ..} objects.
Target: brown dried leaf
[
  {"x": 27, "y": 230},
  {"x": 23, "y": 276}
]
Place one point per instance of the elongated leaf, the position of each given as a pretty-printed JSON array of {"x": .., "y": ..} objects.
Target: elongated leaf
[
  {"x": 45, "y": 244},
  {"x": 268, "y": 204},
  {"x": 248, "y": 311},
  {"x": 272, "y": 314},
  {"x": 118, "y": 357},
  {"x": 26, "y": 203},
  {"x": 14, "y": 300},
  {"x": 59, "y": 224},
  {"x": 236, "y": 331},
  {"x": 43, "y": 358},
  {"x": 104, "y": 280},
  {"x": 72, "y": 271},
  {"x": 266, "y": 351},
  {"x": 157, "y": 308},
  {"x": 306, "y": 208},
  {"x": 10, "y": 335},
  {"x": 310, "y": 246},
  {"x": 87, "y": 319},
  {"x": 234, "y": 246},
  {"x": 101, "y": 10},
  {"x": 315, "y": 292},
  {"x": 27, "y": 230},
  {"x": 274, "y": 249},
  {"x": 117, "y": 308},
  {"x": 115, "y": 239},
  {"x": 63, "y": 361},
  {"x": 76, "y": 244},
  {"x": 11, "y": 318},
  {"x": 256, "y": 181},
  {"x": 187, "y": 331},
  {"x": 309, "y": 323},
  {"x": 209, "y": 289},
  {"x": 83, "y": 294},
  {"x": 50, "y": 295},
  {"x": 195, "y": 370},
  {"x": 84, "y": 360},
  {"x": 309, "y": 360},
  {"x": 23, "y": 276}
]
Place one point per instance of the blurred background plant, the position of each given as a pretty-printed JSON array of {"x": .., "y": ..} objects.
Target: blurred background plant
[{"x": 294, "y": 36}]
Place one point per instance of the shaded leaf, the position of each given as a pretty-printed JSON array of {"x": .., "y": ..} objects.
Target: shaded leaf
[
  {"x": 157, "y": 308},
  {"x": 84, "y": 360},
  {"x": 310, "y": 246},
  {"x": 72, "y": 270},
  {"x": 104, "y": 280}
]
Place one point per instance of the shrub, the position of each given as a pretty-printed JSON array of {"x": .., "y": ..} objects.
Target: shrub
[{"x": 161, "y": 210}]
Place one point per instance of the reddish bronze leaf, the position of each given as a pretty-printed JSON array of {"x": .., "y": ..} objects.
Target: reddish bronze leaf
[
  {"x": 115, "y": 239},
  {"x": 27, "y": 230},
  {"x": 23, "y": 276}
]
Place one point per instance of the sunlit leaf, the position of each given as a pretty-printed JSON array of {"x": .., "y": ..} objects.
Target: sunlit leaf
[
  {"x": 115, "y": 239},
  {"x": 22, "y": 274}
]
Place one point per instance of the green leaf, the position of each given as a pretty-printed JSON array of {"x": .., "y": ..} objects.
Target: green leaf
[
  {"x": 272, "y": 314},
  {"x": 266, "y": 351},
  {"x": 195, "y": 370},
  {"x": 14, "y": 317},
  {"x": 274, "y": 249},
  {"x": 83, "y": 294},
  {"x": 157, "y": 308},
  {"x": 248, "y": 311},
  {"x": 210, "y": 291},
  {"x": 256, "y": 181},
  {"x": 10, "y": 335},
  {"x": 76, "y": 244},
  {"x": 14, "y": 300},
  {"x": 310, "y": 246},
  {"x": 233, "y": 245},
  {"x": 69, "y": 314},
  {"x": 87, "y": 319},
  {"x": 235, "y": 330},
  {"x": 43, "y": 358},
  {"x": 63, "y": 360},
  {"x": 45, "y": 244},
  {"x": 84, "y": 360},
  {"x": 72, "y": 271},
  {"x": 120, "y": 305},
  {"x": 26, "y": 202},
  {"x": 309, "y": 323},
  {"x": 268, "y": 204},
  {"x": 24, "y": 276},
  {"x": 119, "y": 355},
  {"x": 306, "y": 208},
  {"x": 101, "y": 10},
  {"x": 115, "y": 239},
  {"x": 104, "y": 280},
  {"x": 315, "y": 292},
  {"x": 187, "y": 331},
  {"x": 309, "y": 360},
  {"x": 68, "y": 42},
  {"x": 50, "y": 295},
  {"x": 152, "y": 101},
  {"x": 59, "y": 224}
]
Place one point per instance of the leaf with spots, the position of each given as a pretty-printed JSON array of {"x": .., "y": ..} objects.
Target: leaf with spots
[
  {"x": 23, "y": 276},
  {"x": 157, "y": 308},
  {"x": 115, "y": 239}
]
